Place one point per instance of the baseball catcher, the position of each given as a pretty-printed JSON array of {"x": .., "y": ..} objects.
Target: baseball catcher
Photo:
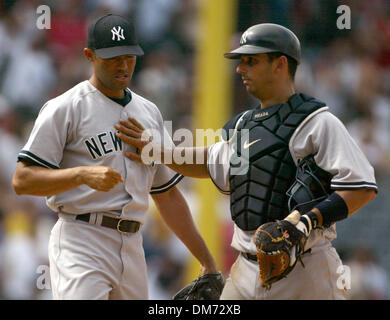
[
  {"x": 206, "y": 287},
  {"x": 281, "y": 244}
]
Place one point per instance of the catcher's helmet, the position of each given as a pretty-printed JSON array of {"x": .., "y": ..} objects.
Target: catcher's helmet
[{"x": 267, "y": 37}]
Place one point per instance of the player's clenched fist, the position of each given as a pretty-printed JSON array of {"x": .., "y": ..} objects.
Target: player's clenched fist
[{"x": 100, "y": 178}]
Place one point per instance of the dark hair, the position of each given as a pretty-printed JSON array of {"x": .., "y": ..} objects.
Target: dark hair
[{"x": 292, "y": 63}]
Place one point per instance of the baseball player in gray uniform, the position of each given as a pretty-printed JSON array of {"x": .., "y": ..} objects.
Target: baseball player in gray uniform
[
  {"x": 74, "y": 158},
  {"x": 285, "y": 128}
]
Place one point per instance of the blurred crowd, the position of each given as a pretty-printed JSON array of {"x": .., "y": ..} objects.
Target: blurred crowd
[{"x": 349, "y": 69}]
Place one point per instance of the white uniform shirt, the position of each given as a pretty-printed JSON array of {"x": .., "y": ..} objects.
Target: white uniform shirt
[
  {"x": 77, "y": 129},
  {"x": 321, "y": 134}
]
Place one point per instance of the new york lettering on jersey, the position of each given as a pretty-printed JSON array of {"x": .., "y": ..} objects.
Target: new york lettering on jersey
[{"x": 103, "y": 144}]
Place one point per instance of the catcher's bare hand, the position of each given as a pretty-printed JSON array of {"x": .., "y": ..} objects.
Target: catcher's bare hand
[
  {"x": 134, "y": 134},
  {"x": 100, "y": 178}
]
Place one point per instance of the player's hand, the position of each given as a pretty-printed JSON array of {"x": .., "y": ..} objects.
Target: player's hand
[
  {"x": 100, "y": 178},
  {"x": 304, "y": 223},
  {"x": 295, "y": 218},
  {"x": 134, "y": 134}
]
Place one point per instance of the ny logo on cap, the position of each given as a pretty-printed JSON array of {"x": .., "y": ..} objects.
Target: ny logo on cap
[
  {"x": 243, "y": 38},
  {"x": 118, "y": 32}
]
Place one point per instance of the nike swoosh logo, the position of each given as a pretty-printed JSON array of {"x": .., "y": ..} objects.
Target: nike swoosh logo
[{"x": 247, "y": 145}]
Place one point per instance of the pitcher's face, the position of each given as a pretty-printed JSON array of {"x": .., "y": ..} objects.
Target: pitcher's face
[{"x": 115, "y": 73}]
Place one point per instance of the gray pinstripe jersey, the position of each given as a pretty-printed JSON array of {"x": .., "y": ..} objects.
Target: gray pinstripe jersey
[{"x": 77, "y": 129}]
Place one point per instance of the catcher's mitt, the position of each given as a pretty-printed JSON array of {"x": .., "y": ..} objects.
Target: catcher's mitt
[
  {"x": 279, "y": 246},
  {"x": 206, "y": 287}
]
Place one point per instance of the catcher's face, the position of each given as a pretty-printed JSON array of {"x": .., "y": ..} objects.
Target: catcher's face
[
  {"x": 112, "y": 76},
  {"x": 258, "y": 75}
]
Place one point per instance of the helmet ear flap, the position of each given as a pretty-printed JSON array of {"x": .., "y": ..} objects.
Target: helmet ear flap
[{"x": 311, "y": 186}]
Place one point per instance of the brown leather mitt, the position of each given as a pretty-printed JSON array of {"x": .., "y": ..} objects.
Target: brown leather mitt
[
  {"x": 279, "y": 246},
  {"x": 205, "y": 287}
]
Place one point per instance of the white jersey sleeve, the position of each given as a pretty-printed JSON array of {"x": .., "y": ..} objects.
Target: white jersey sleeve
[
  {"x": 51, "y": 131},
  {"x": 218, "y": 164},
  {"x": 334, "y": 150},
  {"x": 219, "y": 154}
]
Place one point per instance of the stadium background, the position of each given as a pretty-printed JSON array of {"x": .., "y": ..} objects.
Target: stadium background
[{"x": 184, "y": 73}]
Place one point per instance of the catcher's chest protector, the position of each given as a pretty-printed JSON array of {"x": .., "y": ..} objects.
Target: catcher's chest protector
[{"x": 259, "y": 196}]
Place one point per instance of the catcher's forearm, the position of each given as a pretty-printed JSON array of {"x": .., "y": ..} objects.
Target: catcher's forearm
[
  {"x": 341, "y": 204},
  {"x": 356, "y": 199},
  {"x": 188, "y": 161},
  {"x": 338, "y": 206},
  {"x": 176, "y": 214}
]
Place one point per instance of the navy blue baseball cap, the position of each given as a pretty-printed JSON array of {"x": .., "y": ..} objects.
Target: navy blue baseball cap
[{"x": 111, "y": 36}]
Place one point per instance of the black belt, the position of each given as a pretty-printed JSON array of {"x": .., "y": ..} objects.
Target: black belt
[
  {"x": 249, "y": 256},
  {"x": 119, "y": 224}
]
